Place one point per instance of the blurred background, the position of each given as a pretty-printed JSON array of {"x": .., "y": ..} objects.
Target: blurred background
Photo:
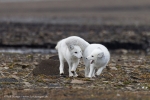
[{"x": 40, "y": 24}]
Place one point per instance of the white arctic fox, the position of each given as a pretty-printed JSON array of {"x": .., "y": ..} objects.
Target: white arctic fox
[
  {"x": 70, "y": 49},
  {"x": 96, "y": 57}
]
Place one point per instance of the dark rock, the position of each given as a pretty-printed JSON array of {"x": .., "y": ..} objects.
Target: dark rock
[
  {"x": 50, "y": 67},
  {"x": 8, "y": 80},
  {"x": 54, "y": 85}
]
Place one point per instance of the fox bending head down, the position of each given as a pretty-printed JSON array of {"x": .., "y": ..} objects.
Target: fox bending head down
[
  {"x": 75, "y": 51},
  {"x": 70, "y": 50}
]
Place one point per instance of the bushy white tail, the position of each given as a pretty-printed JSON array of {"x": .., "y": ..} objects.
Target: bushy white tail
[{"x": 57, "y": 46}]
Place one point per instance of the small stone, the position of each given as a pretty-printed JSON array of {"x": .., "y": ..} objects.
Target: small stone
[
  {"x": 118, "y": 94},
  {"x": 113, "y": 68},
  {"x": 27, "y": 84},
  {"x": 47, "y": 56},
  {"x": 75, "y": 81},
  {"x": 129, "y": 88},
  {"x": 16, "y": 77},
  {"x": 6, "y": 67}
]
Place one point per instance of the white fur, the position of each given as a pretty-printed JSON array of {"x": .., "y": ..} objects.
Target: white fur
[
  {"x": 70, "y": 49},
  {"x": 95, "y": 57}
]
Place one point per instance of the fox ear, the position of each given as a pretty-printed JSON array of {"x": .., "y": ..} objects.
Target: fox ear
[
  {"x": 100, "y": 55},
  {"x": 71, "y": 47},
  {"x": 99, "y": 48},
  {"x": 71, "y": 42},
  {"x": 75, "y": 42}
]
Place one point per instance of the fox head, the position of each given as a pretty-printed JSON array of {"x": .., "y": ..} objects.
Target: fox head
[
  {"x": 75, "y": 51},
  {"x": 95, "y": 55}
]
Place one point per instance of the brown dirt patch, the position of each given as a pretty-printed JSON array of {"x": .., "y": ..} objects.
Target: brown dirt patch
[{"x": 50, "y": 67}]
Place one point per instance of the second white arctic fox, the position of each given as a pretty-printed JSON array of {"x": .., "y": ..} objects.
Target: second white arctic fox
[
  {"x": 70, "y": 49},
  {"x": 96, "y": 57}
]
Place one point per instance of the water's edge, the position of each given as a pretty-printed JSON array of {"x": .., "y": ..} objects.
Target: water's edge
[{"x": 27, "y": 50}]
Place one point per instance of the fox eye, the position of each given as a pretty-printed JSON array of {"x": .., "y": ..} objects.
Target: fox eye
[
  {"x": 92, "y": 56},
  {"x": 75, "y": 52}
]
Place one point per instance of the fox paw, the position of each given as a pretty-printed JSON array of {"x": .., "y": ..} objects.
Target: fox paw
[
  {"x": 72, "y": 72},
  {"x": 70, "y": 75},
  {"x": 61, "y": 74}
]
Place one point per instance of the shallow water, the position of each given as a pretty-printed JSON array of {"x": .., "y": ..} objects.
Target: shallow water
[
  {"x": 27, "y": 50},
  {"x": 21, "y": 0}
]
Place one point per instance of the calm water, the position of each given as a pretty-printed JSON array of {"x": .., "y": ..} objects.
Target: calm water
[{"x": 27, "y": 50}]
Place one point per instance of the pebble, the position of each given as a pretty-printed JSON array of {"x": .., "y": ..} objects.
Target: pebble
[
  {"x": 113, "y": 68},
  {"x": 75, "y": 81}
]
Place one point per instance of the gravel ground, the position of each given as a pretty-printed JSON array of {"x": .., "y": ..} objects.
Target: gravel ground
[{"x": 126, "y": 77}]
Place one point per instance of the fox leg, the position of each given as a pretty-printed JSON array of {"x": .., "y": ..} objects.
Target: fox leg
[
  {"x": 74, "y": 67},
  {"x": 91, "y": 70},
  {"x": 70, "y": 67},
  {"x": 93, "y": 74},
  {"x": 74, "y": 70},
  {"x": 99, "y": 71},
  {"x": 61, "y": 67}
]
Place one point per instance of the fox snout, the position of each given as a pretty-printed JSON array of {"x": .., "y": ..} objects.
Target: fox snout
[
  {"x": 80, "y": 57},
  {"x": 88, "y": 57}
]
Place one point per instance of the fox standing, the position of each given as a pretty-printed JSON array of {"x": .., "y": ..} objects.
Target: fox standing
[
  {"x": 96, "y": 56},
  {"x": 70, "y": 50}
]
